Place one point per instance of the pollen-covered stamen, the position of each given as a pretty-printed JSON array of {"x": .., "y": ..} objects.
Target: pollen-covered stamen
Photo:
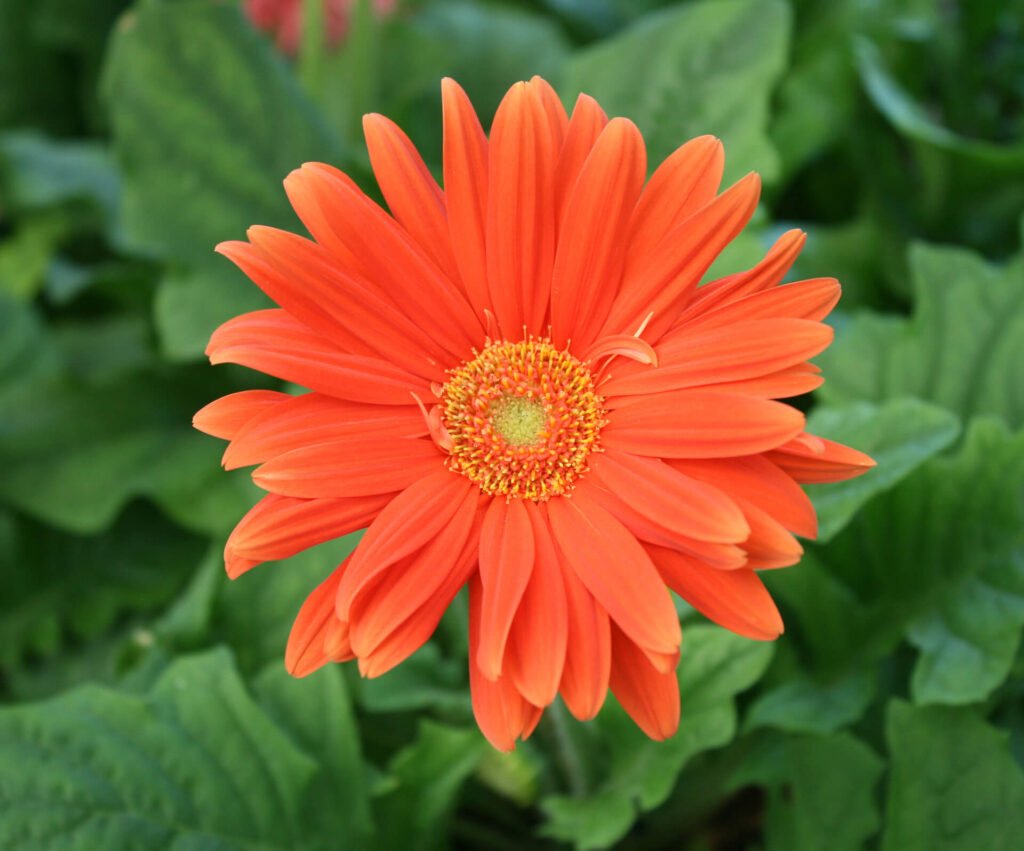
[{"x": 522, "y": 419}]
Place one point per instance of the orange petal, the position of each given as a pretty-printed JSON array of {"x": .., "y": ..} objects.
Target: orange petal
[
  {"x": 412, "y": 194},
  {"x": 502, "y": 713},
  {"x": 413, "y": 282},
  {"x": 592, "y": 242},
  {"x": 225, "y": 417},
  {"x": 278, "y": 527},
  {"x": 305, "y": 651},
  {"x": 761, "y": 482},
  {"x": 465, "y": 186},
  {"x": 271, "y": 341},
  {"x": 834, "y": 463},
  {"x": 406, "y": 587},
  {"x": 409, "y": 521},
  {"x": 670, "y": 499},
  {"x": 811, "y": 299},
  {"x": 506, "y": 561},
  {"x": 336, "y": 644},
  {"x": 586, "y": 124},
  {"x": 588, "y": 656},
  {"x": 535, "y": 654},
  {"x": 520, "y": 212},
  {"x": 700, "y": 424},
  {"x": 694, "y": 358},
  {"x": 616, "y": 570},
  {"x": 315, "y": 418},
  {"x": 667, "y": 276},
  {"x": 304, "y": 279},
  {"x": 784, "y": 384},
  {"x": 650, "y": 696},
  {"x": 355, "y": 466},
  {"x": 735, "y": 599},
  {"x": 684, "y": 183},
  {"x": 769, "y": 544},
  {"x": 765, "y": 275}
]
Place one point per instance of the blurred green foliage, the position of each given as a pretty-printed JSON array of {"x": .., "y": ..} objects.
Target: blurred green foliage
[{"x": 145, "y": 701}]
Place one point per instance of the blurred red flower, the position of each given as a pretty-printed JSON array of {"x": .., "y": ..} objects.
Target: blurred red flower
[{"x": 283, "y": 19}]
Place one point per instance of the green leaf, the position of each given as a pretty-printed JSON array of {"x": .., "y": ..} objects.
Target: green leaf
[
  {"x": 58, "y": 584},
  {"x": 706, "y": 67},
  {"x": 805, "y": 705},
  {"x": 820, "y": 791},
  {"x": 195, "y": 764},
  {"x": 900, "y": 435},
  {"x": 954, "y": 784},
  {"x": 716, "y": 665},
  {"x": 427, "y": 777},
  {"x": 316, "y": 713},
  {"x": 424, "y": 680},
  {"x": 940, "y": 554},
  {"x": 207, "y": 122},
  {"x": 962, "y": 349}
]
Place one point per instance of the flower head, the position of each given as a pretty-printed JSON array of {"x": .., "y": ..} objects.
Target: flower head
[{"x": 518, "y": 385}]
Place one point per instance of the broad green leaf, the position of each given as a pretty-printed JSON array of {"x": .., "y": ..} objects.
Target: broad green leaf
[
  {"x": 940, "y": 554},
  {"x": 196, "y": 764},
  {"x": 820, "y": 791},
  {"x": 962, "y": 349},
  {"x": 424, "y": 680},
  {"x": 954, "y": 785},
  {"x": 59, "y": 585},
  {"x": 805, "y": 705},
  {"x": 316, "y": 713},
  {"x": 900, "y": 435},
  {"x": 716, "y": 665},
  {"x": 427, "y": 777},
  {"x": 207, "y": 122},
  {"x": 705, "y": 67}
]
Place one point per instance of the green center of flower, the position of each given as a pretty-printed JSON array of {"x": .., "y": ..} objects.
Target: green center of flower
[{"x": 519, "y": 420}]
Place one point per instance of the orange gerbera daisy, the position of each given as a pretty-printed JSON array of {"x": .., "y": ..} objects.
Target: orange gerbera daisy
[{"x": 518, "y": 386}]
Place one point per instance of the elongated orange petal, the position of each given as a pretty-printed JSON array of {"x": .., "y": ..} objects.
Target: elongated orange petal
[
  {"x": 535, "y": 653},
  {"x": 684, "y": 183},
  {"x": 355, "y": 466},
  {"x": 278, "y": 527},
  {"x": 507, "y": 556},
  {"x": 392, "y": 258},
  {"x": 465, "y": 186},
  {"x": 766, "y": 274},
  {"x": 669, "y": 499},
  {"x": 769, "y": 544},
  {"x": 588, "y": 656},
  {"x": 729, "y": 353},
  {"x": 650, "y": 696},
  {"x": 735, "y": 599},
  {"x": 336, "y": 644},
  {"x": 316, "y": 418},
  {"x": 520, "y": 212},
  {"x": 761, "y": 482},
  {"x": 411, "y": 519},
  {"x": 407, "y": 637},
  {"x": 700, "y": 424},
  {"x": 298, "y": 273},
  {"x": 226, "y": 416},
  {"x": 784, "y": 384},
  {"x": 502, "y": 713},
  {"x": 271, "y": 341},
  {"x": 591, "y": 245},
  {"x": 305, "y": 651},
  {"x": 812, "y": 299},
  {"x": 669, "y": 273},
  {"x": 413, "y": 195},
  {"x": 833, "y": 463},
  {"x": 616, "y": 570},
  {"x": 586, "y": 124}
]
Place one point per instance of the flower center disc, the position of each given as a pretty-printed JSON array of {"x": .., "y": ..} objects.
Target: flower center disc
[{"x": 522, "y": 418}]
